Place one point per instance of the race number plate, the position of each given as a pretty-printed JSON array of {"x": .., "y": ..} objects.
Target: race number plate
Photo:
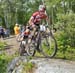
[{"x": 42, "y": 28}]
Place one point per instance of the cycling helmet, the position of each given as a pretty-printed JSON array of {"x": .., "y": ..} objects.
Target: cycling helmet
[{"x": 42, "y": 8}]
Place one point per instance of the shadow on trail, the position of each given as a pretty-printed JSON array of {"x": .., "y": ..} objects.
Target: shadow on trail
[
  {"x": 8, "y": 37},
  {"x": 7, "y": 47}
]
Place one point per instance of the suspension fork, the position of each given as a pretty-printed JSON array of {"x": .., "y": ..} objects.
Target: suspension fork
[{"x": 38, "y": 41}]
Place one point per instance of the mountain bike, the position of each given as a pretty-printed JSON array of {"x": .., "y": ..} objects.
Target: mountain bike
[
  {"x": 22, "y": 47},
  {"x": 44, "y": 42}
]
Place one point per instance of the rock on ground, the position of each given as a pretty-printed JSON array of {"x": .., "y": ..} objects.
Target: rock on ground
[{"x": 54, "y": 66}]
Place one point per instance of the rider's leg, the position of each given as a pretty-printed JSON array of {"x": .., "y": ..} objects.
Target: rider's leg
[{"x": 31, "y": 35}]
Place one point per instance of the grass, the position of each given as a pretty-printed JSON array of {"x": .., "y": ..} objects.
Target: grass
[
  {"x": 28, "y": 67},
  {"x": 69, "y": 54},
  {"x": 5, "y": 58},
  {"x": 63, "y": 52},
  {"x": 2, "y": 45}
]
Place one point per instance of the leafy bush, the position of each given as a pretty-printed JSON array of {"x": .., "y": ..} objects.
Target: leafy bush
[
  {"x": 66, "y": 39},
  {"x": 4, "y": 59},
  {"x": 67, "y": 24}
]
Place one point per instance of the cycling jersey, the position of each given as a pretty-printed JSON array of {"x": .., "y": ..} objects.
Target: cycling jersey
[{"x": 37, "y": 17}]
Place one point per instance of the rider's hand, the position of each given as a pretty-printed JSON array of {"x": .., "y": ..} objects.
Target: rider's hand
[{"x": 33, "y": 25}]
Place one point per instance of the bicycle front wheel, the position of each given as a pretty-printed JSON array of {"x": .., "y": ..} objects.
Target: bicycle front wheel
[
  {"x": 31, "y": 49},
  {"x": 21, "y": 49},
  {"x": 48, "y": 46}
]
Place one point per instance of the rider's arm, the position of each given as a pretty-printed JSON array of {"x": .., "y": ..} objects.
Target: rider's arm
[
  {"x": 47, "y": 19},
  {"x": 31, "y": 21}
]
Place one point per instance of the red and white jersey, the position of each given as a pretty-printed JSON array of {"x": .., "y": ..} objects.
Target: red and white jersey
[{"x": 37, "y": 17}]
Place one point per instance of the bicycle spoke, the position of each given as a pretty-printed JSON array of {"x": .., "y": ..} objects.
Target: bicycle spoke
[{"x": 48, "y": 46}]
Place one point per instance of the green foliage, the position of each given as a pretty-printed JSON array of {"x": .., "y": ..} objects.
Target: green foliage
[
  {"x": 65, "y": 50},
  {"x": 2, "y": 45},
  {"x": 67, "y": 25},
  {"x": 28, "y": 67},
  {"x": 3, "y": 63},
  {"x": 4, "y": 60},
  {"x": 17, "y": 11}
]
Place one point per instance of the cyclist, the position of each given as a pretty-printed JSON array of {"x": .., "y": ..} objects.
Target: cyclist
[
  {"x": 25, "y": 33},
  {"x": 36, "y": 19}
]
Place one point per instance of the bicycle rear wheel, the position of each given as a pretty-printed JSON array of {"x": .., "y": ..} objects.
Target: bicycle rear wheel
[{"x": 48, "y": 45}]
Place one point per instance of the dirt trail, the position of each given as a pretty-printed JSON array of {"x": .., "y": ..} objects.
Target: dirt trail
[{"x": 12, "y": 45}]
